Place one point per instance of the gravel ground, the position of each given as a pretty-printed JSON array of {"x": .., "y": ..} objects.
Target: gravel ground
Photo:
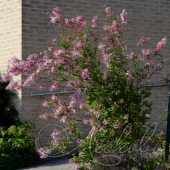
[{"x": 54, "y": 164}]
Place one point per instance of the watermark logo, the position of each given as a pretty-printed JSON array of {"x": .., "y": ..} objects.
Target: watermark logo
[{"x": 112, "y": 151}]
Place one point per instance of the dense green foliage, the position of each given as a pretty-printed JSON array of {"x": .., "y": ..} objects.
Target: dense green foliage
[
  {"x": 16, "y": 145},
  {"x": 8, "y": 113}
]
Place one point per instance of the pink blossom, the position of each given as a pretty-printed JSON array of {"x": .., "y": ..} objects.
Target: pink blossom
[
  {"x": 54, "y": 40},
  {"x": 76, "y": 167},
  {"x": 80, "y": 153},
  {"x": 43, "y": 116},
  {"x": 79, "y": 45},
  {"x": 161, "y": 131},
  {"x": 58, "y": 111},
  {"x": 91, "y": 132},
  {"x": 85, "y": 121},
  {"x": 105, "y": 76},
  {"x": 106, "y": 58},
  {"x": 53, "y": 69},
  {"x": 81, "y": 105},
  {"x": 56, "y": 134},
  {"x": 13, "y": 85},
  {"x": 50, "y": 48},
  {"x": 70, "y": 161},
  {"x": 63, "y": 119},
  {"x": 130, "y": 56},
  {"x": 142, "y": 40},
  {"x": 117, "y": 125},
  {"x": 140, "y": 58},
  {"x": 54, "y": 86},
  {"x": 54, "y": 19},
  {"x": 57, "y": 12},
  {"x": 123, "y": 16},
  {"x": 108, "y": 11},
  {"x": 79, "y": 18},
  {"x": 159, "y": 66},
  {"x": 167, "y": 74},
  {"x": 94, "y": 25},
  {"x": 147, "y": 109},
  {"x": 18, "y": 66},
  {"x": 106, "y": 26},
  {"x": 79, "y": 141},
  {"x": 160, "y": 45},
  {"x": 85, "y": 73},
  {"x": 71, "y": 121},
  {"x": 32, "y": 78},
  {"x": 6, "y": 77},
  {"x": 147, "y": 115},
  {"x": 114, "y": 27},
  {"x": 76, "y": 97},
  {"x": 85, "y": 36},
  {"x": 101, "y": 46},
  {"x": 45, "y": 104},
  {"x": 143, "y": 75},
  {"x": 129, "y": 74},
  {"x": 70, "y": 23},
  {"x": 126, "y": 117},
  {"x": 147, "y": 52},
  {"x": 41, "y": 86},
  {"x": 149, "y": 80},
  {"x": 97, "y": 114},
  {"x": 105, "y": 38},
  {"x": 95, "y": 20},
  {"x": 56, "y": 143},
  {"x": 165, "y": 61},
  {"x": 50, "y": 115},
  {"x": 43, "y": 152},
  {"x": 105, "y": 122},
  {"x": 147, "y": 64},
  {"x": 152, "y": 64},
  {"x": 76, "y": 55},
  {"x": 58, "y": 53},
  {"x": 91, "y": 120}
]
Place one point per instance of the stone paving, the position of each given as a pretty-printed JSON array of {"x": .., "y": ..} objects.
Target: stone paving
[{"x": 55, "y": 164}]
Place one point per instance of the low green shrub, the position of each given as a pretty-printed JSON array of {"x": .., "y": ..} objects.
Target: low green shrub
[{"x": 17, "y": 148}]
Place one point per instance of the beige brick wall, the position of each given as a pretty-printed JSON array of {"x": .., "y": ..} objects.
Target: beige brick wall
[
  {"x": 150, "y": 18},
  {"x": 10, "y": 37}
]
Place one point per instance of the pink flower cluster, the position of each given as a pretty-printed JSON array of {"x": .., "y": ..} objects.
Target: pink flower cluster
[
  {"x": 43, "y": 152},
  {"x": 6, "y": 77},
  {"x": 41, "y": 86},
  {"x": 147, "y": 52},
  {"x": 56, "y": 136},
  {"x": 123, "y": 16},
  {"x": 57, "y": 15},
  {"x": 113, "y": 29},
  {"x": 76, "y": 97},
  {"x": 142, "y": 40},
  {"x": 54, "y": 86},
  {"x": 76, "y": 24},
  {"x": 160, "y": 45},
  {"x": 117, "y": 125},
  {"x": 13, "y": 85},
  {"x": 85, "y": 73},
  {"x": 95, "y": 20},
  {"x": 108, "y": 11}
]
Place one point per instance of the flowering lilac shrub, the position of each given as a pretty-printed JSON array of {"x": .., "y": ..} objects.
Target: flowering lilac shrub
[{"x": 112, "y": 99}]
